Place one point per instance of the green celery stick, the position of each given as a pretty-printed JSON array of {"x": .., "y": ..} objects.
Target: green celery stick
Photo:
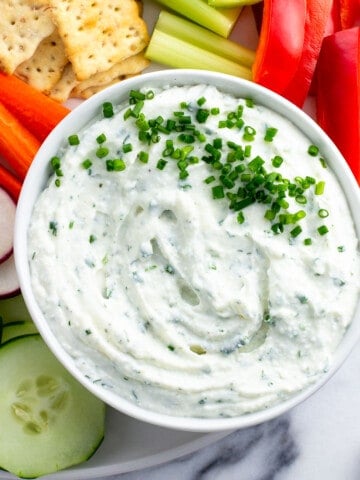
[
  {"x": 231, "y": 3},
  {"x": 201, "y": 37},
  {"x": 220, "y": 21},
  {"x": 166, "y": 49}
]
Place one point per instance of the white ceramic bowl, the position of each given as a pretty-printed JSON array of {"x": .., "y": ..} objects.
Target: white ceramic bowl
[{"x": 38, "y": 175}]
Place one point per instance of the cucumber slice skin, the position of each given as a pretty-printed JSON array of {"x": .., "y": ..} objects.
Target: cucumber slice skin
[
  {"x": 16, "y": 329},
  {"x": 49, "y": 421}
]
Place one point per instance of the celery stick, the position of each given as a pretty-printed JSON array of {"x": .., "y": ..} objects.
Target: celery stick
[
  {"x": 220, "y": 21},
  {"x": 231, "y": 3},
  {"x": 201, "y": 37},
  {"x": 171, "y": 51}
]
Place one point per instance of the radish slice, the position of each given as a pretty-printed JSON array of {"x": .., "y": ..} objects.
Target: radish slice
[
  {"x": 7, "y": 220},
  {"x": 9, "y": 283}
]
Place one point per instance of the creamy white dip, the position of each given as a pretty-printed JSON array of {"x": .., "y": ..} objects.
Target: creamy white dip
[{"x": 157, "y": 290}]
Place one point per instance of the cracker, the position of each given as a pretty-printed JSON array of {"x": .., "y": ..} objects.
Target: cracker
[
  {"x": 90, "y": 91},
  {"x": 100, "y": 33},
  {"x": 130, "y": 66},
  {"x": 62, "y": 89},
  {"x": 43, "y": 70},
  {"x": 23, "y": 25}
]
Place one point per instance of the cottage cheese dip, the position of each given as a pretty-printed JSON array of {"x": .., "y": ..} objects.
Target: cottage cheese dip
[{"x": 194, "y": 253}]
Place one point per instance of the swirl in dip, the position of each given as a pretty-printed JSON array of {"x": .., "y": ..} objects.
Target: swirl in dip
[{"x": 194, "y": 253}]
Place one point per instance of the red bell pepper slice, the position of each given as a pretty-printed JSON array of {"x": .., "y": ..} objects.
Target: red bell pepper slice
[
  {"x": 317, "y": 14},
  {"x": 280, "y": 43},
  {"x": 334, "y": 22},
  {"x": 338, "y": 97},
  {"x": 349, "y": 13}
]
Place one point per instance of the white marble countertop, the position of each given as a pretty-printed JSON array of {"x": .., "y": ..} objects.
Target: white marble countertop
[{"x": 319, "y": 439}]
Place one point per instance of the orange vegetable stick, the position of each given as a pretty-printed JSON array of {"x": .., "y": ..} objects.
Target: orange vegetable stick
[
  {"x": 18, "y": 146},
  {"x": 9, "y": 183},
  {"x": 37, "y": 112}
]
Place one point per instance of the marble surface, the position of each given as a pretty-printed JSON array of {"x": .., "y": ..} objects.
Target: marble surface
[{"x": 319, "y": 439}]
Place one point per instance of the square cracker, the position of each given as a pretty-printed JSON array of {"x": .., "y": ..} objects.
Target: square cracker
[
  {"x": 45, "y": 67},
  {"x": 23, "y": 24},
  {"x": 100, "y": 33}
]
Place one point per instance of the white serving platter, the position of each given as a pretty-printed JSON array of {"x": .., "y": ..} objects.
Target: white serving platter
[{"x": 130, "y": 444}]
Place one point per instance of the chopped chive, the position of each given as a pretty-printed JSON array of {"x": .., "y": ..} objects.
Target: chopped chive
[
  {"x": 92, "y": 239},
  {"x": 240, "y": 217},
  {"x": 210, "y": 179},
  {"x": 201, "y": 101},
  {"x": 249, "y": 133},
  {"x": 143, "y": 157},
  {"x": 115, "y": 165},
  {"x": 307, "y": 241},
  {"x": 57, "y": 182},
  {"x": 323, "y": 213},
  {"x": 101, "y": 138},
  {"x": 73, "y": 140},
  {"x": 108, "y": 110},
  {"x": 136, "y": 95},
  {"x": 270, "y": 215},
  {"x": 323, "y": 230},
  {"x": 161, "y": 164},
  {"x": 127, "y": 147},
  {"x": 301, "y": 199},
  {"x": 313, "y": 150},
  {"x": 55, "y": 162},
  {"x": 247, "y": 151},
  {"x": 249, "y": 102},
  {"x": 215, "y": 111},
  {"x": 323, "y": 162},
  {"x": 296, "y": 231},
  {"x": 186, "y": 138},
  {"x": 183, "y": 174},
  {"x": 149, "y": 95},
  {"x": 171, "y": 348},
  {"x": 319, "y": 188},
  {"x": 341, "y": 248},
  {"x": 119, "y": 164},
  {"x": 270, "y": 134},
  {"x": 218, "y": 192},
  {"x": 86, "y": 164},
  {"x": 202, "y": 115},
  {"x": 277, "y": 161},
  {"x": 101, "y": 152}
]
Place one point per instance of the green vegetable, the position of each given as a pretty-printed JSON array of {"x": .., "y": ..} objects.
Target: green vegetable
[
  {"x": 108, "y": 110},
  {"x": 231, "y": 3},
  {"x": 202, "y": 38},
  {"x": 177, "y": 53},
  {"x": 17, "y": 328},
  {"x": 216, "y": 20},
  {"x": 48, "y": 420},
  {"x": 73, "y": 140}
]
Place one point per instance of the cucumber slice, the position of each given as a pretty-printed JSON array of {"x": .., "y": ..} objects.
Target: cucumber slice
[
  {"x": 48, "y": 420},
  {"x": 16, "y": 329},
  {"x": 13, "y": 309}
]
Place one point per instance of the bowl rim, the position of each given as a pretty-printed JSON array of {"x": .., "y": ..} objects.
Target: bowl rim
[{"x": 35, "y": 181}]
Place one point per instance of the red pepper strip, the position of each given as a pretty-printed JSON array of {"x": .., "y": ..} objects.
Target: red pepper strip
[
  {"x": 338, "y": 99},
  {"x": 317, "y": 14},
  {"x": 349, "y": 13},
  {"x": 280, "y": 43},
  {"x": 334, "y": 23}
]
